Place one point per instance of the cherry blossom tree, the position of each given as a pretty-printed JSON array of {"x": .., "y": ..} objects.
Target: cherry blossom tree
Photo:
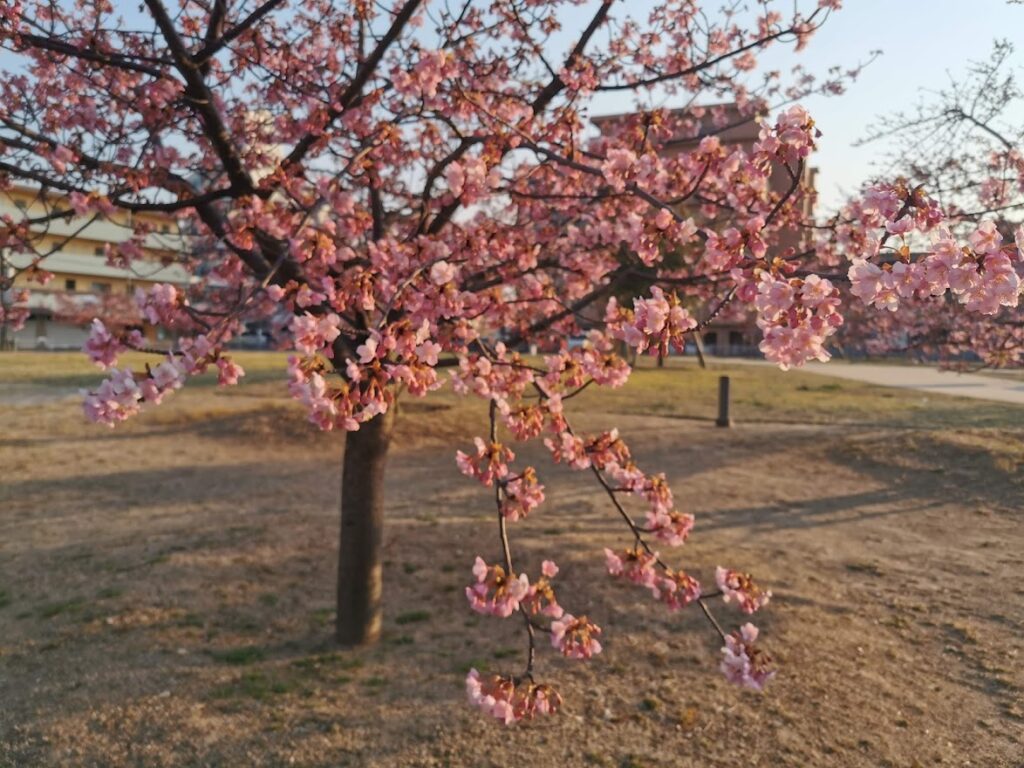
[
  {"x": 406, "y": 189},
  {"x": 964, "y": 143}
]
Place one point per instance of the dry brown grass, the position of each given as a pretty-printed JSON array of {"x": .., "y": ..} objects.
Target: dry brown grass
[{"x": 166, "y": 587}]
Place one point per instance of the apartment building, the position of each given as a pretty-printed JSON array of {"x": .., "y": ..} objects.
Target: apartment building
[{"x": 86, "y": 281}]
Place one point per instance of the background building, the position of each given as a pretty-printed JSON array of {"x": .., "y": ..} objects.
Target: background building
[{"x": 86, "y": 273}]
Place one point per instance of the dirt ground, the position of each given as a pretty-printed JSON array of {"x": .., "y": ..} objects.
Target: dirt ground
[{"x": 166, "y": 594}]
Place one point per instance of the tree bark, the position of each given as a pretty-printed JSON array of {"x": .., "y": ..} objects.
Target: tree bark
[{"x": 362, "y": 527}]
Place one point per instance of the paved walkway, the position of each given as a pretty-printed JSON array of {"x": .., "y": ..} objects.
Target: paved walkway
[{"x": 1003, "y": 389}]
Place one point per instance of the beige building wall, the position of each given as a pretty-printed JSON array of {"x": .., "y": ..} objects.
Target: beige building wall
[{"x": 82, "y": 277}]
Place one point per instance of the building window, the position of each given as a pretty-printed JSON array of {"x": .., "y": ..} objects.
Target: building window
[
  {"x": 98, "y": 250},
  {"x": 69, "y": 285},
  {"x": 20, "y": 204},
  {"x": 165, "y": 229},
  {"x": 100, "y": 287}
]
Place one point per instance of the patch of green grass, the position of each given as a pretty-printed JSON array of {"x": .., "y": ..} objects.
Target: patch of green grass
[
  {"x": 323, "y": 660},
  {"x": 412, "y": 617},
  {"x": 321, "y": 616},
  {"x": 5, "y": 598},
  {"x": 410, "y": 568},
  {"x": 239, "y": 656},
  {"x": 650, "y": 704},
  {"x": 505, "y": 653},
  {"x": 108, "y": 593},
  {"x": 375, "y": 682},
  {"x": 254, "y": 685},
  {"x": 71, "y": 605},
  {"x": 269, "y": 599},
  {"x": 403, "y": 640}
]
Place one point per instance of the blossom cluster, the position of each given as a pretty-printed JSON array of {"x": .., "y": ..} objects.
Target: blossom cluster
[
  {"x": 496, "y": 592},
  {"x": 522, "y": 494},
  {"x": 981, "y": 275},
  {"x": 122, "y": 394},
  {"x": 653, "y": 325},
  {"x": 488, "y": 464},
  {"x": 676, "y": 589},
  {"x": 103, "y": 347},
  {"x": 510, "y": 701},
  {"x": 743, "y": 663},
  {"x": 574, "y": 637},
  {"x": 901, "y": 247},
  {"x": 741, "y": 588},
  {"x": 797, "y": 317}
]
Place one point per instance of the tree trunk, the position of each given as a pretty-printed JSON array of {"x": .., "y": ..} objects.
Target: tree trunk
[{"x": 362, "y": 527}]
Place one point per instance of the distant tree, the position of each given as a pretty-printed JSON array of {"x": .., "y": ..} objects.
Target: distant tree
[{"x": 414, "y": 187}]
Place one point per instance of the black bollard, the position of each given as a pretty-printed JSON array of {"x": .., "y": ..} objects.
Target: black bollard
[{"x": 723, "y": 403}]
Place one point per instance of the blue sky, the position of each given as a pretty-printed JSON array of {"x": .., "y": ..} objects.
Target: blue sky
[{"x": 923, "y": 42}]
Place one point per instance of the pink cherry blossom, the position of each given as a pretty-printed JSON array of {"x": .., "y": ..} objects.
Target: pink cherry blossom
[
  {"x": 670, "y": 526},
  {"x": 495, "y": 592},
  {"x": 743, "y": 663},
  {"x": 522, "y": 495},
  {"x": 419, "y": 200},
  {"x": 635, "y": 565},
  {"x": 541, "y": 599},
  {"x": 507, "y": 701},
  {"x": 489, "y": 463},
  {"x": 315, "y": 334},
  {"x": 102, "y": 347},
  {"x": 676, "y": 589},
  {"x": 228, "y": 372},
  {"x": 575, "y": 638},
  {"x": 741, "y": 588}
]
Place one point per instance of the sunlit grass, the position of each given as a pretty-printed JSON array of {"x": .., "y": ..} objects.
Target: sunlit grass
[
  {"x": 73, "y": 369},
  {"x": 681, "y": 389},
  {"x": 762, "y": 393}
]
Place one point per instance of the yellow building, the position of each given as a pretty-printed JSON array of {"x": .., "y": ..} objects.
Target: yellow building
[{"x": 85, "y": 281}]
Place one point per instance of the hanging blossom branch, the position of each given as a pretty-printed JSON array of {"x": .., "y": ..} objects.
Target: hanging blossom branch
[{"x": 499, "y": 590}]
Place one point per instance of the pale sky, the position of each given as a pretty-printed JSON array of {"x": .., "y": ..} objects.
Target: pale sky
[{"x": 923, "y": 41}]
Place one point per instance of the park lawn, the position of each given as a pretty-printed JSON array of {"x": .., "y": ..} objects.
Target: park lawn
[
  {"x": 166, "y": 587},
  {"x": 761, "y": 393},
  {"x": 73, "y": 369}
]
